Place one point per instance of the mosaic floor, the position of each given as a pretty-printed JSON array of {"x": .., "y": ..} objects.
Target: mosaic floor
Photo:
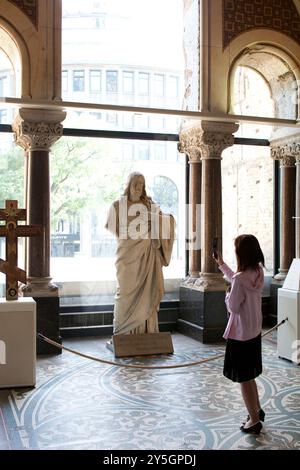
[{"x": 80, "y": 404}]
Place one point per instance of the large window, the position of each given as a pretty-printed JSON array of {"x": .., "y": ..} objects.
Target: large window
[
  {"x": 248, "y": 171},
  {"x": 11, "y": 187},
  {"x": 135, "y": 44},
  {"x": 105, "y": 44},
  {"x": 87, "y": 175}
]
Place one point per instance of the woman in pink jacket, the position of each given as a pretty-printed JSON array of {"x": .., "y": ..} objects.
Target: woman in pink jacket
[{"x": 243, "y": 362}]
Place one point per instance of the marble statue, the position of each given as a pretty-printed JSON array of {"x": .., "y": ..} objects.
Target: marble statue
[{"x": 145, "y": 239}]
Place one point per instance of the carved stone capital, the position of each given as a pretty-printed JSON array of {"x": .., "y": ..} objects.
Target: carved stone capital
[
  {"x": 37, "y": 130},
  {"x": 284, "y": 155},
  {"x": 189, "y": 144},
  {"x": 287, "y": 151},
  {"x": 213, "y": 144},
  {"x": 205, "y": 139}
]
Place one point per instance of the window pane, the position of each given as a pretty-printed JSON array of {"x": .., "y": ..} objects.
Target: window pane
[
  {"x": 248, "y": 208},
  {"x": 144, "y": 84},
  {"x": 144, "y": 152},
  {"x": 11, "y": 187},
  {"x": 4, "y": 85},
  {"x": 95, "y": 81},
  {"x": 78, "y": 80},
  {"x": 159, "y": 85},
  {"x": 118, "y": 36},
  {"x": 172, "y": 87},
  {"x": 64, "y": 81},
  {"x": 128, "y": 84},
  {"x": 111, "y": 81}
]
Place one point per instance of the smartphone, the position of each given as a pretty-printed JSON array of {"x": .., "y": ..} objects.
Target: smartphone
[{"x": 215, "y": 248}]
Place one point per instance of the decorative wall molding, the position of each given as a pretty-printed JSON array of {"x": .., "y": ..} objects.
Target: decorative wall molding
[
  {"x": 243, "y": 15},
  {"x": 29, "y": 8}
]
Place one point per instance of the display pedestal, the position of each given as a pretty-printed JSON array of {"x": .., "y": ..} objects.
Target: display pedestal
[
  {"x": 288, "y": 342},
  {"x": 142, "y": 344},
  {"x": 17, "y": 342}
]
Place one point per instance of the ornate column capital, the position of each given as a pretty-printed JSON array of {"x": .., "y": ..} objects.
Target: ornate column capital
[
  {"x": 37, "y": 129},
  {"x": 287, "y": 151},
  {"x": 189, "y": 143},
  {"x": 205, "y": 139}
]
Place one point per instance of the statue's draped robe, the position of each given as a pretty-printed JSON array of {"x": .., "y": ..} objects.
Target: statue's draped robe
[{"x": 140, "y": 284}]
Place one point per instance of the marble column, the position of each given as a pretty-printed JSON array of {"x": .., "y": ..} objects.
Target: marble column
[
  {"x": 297, "y": 219},
  {"x": 215, "y": 137},
  {"x": 190, "y": 146},
  {"x": 284, "y": 153},
  {"x": 36, "y": 131},
  {"x": 202, "y": 312}
]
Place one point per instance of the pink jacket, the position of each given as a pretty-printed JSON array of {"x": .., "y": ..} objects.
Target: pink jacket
[{"x": 243, "y": 303}]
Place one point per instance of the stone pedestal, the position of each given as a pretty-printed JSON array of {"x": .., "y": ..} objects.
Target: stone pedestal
[
  {"x": 202, "y": 314},
  {"x": 47, "y": 309},
  {"x": 144, "y": 344},
  {"x": 17, "y": 343},
  {"x": 272, "y": 317}
]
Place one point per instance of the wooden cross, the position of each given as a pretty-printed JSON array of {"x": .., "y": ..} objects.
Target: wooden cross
[{"x": 11, "y": 214}]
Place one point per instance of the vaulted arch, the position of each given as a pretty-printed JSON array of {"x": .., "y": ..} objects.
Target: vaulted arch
[
  {"x": 278, "y": 69},
  {"x": 15, "y": 49}
]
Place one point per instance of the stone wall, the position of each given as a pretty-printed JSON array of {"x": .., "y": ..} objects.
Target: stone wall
[{"x": 247, "y": 181}]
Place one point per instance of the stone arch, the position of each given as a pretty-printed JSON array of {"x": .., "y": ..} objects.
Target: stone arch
[
  {"x": 276, "y": 60},
  {"x": 16, "y": 50}
]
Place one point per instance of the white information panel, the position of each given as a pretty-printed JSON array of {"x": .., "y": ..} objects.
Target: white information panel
[
  {"x": 288, "y": 339},
  {"x": 17, "y": 342}
]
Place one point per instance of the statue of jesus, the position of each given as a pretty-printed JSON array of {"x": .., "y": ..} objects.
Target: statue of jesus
[{"x": 145, "y": 239}]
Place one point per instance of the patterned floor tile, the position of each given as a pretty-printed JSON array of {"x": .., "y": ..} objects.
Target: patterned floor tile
[{"x": 81, "y": 404}]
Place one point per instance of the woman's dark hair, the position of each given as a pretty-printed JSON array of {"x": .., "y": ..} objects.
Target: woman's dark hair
[{"x": 248, "y": 252}]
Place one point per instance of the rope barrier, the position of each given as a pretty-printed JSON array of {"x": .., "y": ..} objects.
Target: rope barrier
[{"x": 138, "y": 366}]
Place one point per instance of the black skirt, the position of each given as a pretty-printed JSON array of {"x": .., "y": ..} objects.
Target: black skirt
[{"x": 243, "y": 359}]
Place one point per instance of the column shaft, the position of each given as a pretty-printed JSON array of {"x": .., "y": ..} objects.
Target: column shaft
[
  {"x": 195, "y": 201},
  {"x": 212, "y": 210},
  {"x": 288, "y": 188},
  {"x": 286, "y": 150},
  {"x": 297, "y": 220},
  {"x": 38, "y": 212}
]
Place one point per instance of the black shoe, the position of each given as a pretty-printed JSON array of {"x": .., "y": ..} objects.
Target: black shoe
[
  {"x": 261, "y": 416},
  {"x": 255, "y": 429}
]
